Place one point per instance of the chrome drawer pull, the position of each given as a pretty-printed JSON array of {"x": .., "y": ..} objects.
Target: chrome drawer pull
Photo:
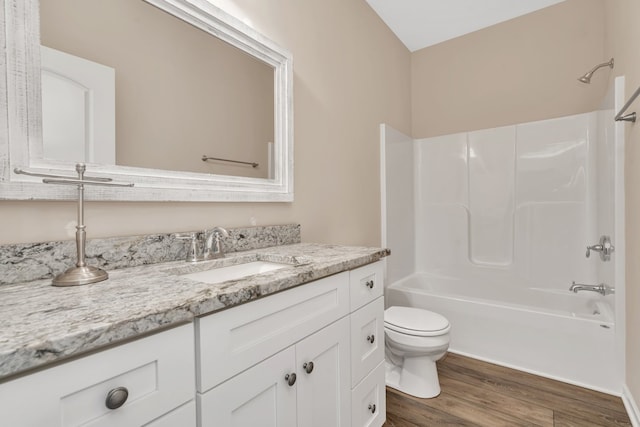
[
  {"x": 290, "y": 378},
  {"x": 372, "y": 408},
  {"x": 371, "y": 338},
  {"x": 308, "y": 367},
  {"x": 117, "y": 397}
]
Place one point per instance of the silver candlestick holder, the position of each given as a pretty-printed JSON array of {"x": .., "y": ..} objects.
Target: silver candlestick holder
[{"x": 81, "y": 274}]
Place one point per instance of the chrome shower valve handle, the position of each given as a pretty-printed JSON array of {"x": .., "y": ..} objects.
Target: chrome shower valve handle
[
  {"x": 604, "y": 247},
  {"x": 596, "y": 248}
]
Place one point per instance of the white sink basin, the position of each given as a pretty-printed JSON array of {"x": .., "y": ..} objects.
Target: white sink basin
[{"x": 234, "y": 272}]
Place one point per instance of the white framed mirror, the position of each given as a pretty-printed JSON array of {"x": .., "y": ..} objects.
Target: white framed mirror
[{"x": 190, "y": 179}]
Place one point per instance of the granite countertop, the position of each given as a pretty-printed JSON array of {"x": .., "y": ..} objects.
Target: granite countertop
[{"x": 43, "y": 324}]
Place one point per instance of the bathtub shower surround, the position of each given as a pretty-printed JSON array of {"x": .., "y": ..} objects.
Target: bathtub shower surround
[
  {"x": 503, "y": 218},
  {"x": 25, "y": 262},
  {"x": 517, "y": 203}
]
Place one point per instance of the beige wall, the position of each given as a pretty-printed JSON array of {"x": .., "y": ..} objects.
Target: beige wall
[
  {"x": 521, "y": 70},
  {"x": 623, "y": 35},
  {"x": 180, "y": 93},
  {"x": 350, "y": 75}
]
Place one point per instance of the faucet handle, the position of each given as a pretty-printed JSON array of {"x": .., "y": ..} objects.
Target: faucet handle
[
  {"x": 596, "y": 248},
  {"x": 604, "y": 246},
  {"x": 220, "y": 231},
  {"x": 213, "y": 246},
  {"x": 193, "y": 251}
]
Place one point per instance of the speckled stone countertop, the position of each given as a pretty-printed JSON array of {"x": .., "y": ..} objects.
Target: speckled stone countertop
[{"x": 43, "y": 324}]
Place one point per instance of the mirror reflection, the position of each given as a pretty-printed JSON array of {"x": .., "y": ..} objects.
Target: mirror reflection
[{"x": 125, "y": 83}]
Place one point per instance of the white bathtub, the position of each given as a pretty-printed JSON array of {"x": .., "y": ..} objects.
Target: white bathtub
[{"x": 560, "y": 335}]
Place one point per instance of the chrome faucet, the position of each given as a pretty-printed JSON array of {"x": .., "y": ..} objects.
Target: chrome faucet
[
  {"x": 602, "y": 288},
  {"x": 212, "y": 245},
  {"x": 204, "y": 245}
]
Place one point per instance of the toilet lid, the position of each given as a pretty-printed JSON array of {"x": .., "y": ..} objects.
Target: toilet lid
[{"x": 415, "y": 321}]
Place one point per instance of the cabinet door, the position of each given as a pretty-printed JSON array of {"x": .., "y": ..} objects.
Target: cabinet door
[
  {"x": 259, "y": 396},
  {"x": 324, "y": 396}
]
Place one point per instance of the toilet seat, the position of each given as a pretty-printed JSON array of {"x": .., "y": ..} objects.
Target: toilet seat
[{"x": 415, "y": 321}]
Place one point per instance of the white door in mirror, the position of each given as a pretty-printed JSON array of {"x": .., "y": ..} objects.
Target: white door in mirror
[{"x": 78, "y": 109}]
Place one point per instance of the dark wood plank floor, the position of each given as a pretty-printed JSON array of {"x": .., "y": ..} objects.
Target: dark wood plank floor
[{"x": 476, "y": 393}]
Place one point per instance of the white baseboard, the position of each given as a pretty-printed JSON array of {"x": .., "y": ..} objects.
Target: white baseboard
[{"x": 631, "y": 406}]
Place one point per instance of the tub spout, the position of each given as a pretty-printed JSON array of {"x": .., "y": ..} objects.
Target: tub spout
[{"x": 602, "y": 288}]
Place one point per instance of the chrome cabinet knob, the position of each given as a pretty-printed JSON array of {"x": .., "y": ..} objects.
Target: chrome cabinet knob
[
  {"x": 371, "y": 338},
  {"x": 290, "y": 378},
  {"x": 372, "y": 408},
  {"x": 308, "y": 367},
  {"x": 369, "y": 284},
  {"x": 116, "y": 397}
]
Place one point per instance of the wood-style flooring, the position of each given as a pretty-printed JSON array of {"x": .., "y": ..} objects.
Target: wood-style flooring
[{"x": 476, "y": 393}]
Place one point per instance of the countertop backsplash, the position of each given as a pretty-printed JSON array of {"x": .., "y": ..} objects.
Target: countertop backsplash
[{"x": 25, "y": 262}]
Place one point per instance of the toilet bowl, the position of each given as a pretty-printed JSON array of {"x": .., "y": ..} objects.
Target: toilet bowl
[{"x": 414, "y": 340}]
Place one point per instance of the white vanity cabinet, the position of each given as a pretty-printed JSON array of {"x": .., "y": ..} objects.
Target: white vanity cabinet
[
  {"x": 155, "y": 373},
  {"x": 310, "y": 356}
]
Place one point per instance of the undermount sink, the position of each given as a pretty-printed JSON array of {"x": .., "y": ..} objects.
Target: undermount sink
[{"x": 234, "y": 272}]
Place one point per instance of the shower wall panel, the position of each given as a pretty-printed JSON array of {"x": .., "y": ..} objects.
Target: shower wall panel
[
  {"x": 553, "y": 163},
  {"x": 441, "y": 203},
  {"x": 399, "y": 203},
  {"x": 491, "y": 165},
  {"x": 605, "y": 203},
  {"x": 515, "y": 203}
]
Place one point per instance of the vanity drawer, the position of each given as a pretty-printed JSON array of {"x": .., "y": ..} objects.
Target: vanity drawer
[
  {"x": 367, "y": 339},
  {"x": 368, "y": 400},
  {"x": 230, "y": 341},
  {"x": 366, "y": 284},
  {"x": 158, "y": 371}
]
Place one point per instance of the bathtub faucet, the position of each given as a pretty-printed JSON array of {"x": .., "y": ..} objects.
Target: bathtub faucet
[{"x": 601, "y": 288}]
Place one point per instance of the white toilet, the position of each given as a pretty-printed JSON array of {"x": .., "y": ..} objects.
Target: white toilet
[{"x": 414, "y": 340}]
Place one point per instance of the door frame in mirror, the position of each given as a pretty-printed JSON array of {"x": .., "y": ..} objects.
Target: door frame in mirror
[{"x": 21, "y": 119}]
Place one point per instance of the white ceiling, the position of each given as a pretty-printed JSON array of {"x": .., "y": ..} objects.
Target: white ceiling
[{"x": 422, "y": 23}]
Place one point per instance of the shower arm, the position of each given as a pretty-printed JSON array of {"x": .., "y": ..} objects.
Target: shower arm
[
  {"x": 586, "y": 78},
  {"x": 604, "y": 64}
]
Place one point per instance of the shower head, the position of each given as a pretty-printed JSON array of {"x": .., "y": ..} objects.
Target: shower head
[{"x": 587, "y": 77}]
